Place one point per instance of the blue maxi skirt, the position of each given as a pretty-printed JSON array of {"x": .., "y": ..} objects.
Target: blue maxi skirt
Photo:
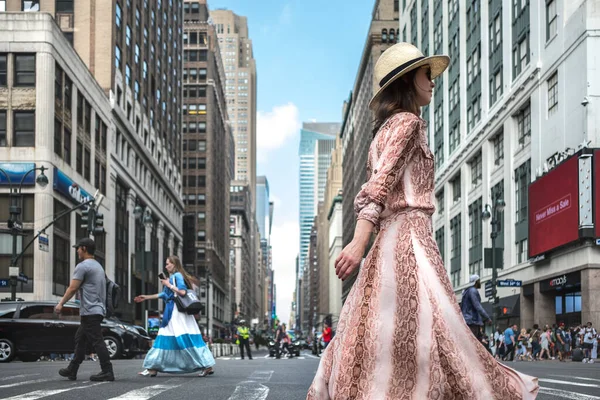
[{"x": 179, "y": 348}]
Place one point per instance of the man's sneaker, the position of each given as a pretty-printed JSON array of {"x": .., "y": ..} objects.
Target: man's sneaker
[
  {"x": 591, "y": 361},
  {"x": 585, "y": 360}
]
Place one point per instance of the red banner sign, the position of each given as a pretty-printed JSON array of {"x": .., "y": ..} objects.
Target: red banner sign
[{"x": 554, "y": 208}]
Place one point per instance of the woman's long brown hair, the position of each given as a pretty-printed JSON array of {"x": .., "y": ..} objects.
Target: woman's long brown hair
[
  {"x": 189, "y": 280},
  {"x": 399, "y": 96}
]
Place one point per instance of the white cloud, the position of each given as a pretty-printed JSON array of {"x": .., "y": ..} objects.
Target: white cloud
[
  {"x": 275, "y": 127},
  {"x": 285, "y": 239}
]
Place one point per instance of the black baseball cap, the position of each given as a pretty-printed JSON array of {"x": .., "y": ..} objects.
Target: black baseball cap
[{"x": 89, "y": 244}]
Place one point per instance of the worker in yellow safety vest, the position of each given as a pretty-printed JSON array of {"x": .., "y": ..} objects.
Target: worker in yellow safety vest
[{"x": 243, "y": 335}]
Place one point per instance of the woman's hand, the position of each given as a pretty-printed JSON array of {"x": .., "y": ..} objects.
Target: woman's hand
[
  {"x": 139, "y": 298},
  {"x": 349, "y": 259},
  {"x": 166, "y": 282}
]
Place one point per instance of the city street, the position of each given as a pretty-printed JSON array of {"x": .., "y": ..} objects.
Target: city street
[{"x": 260, "y": 379}]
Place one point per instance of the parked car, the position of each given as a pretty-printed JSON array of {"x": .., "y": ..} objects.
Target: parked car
[{"x": 30, "y": 329}]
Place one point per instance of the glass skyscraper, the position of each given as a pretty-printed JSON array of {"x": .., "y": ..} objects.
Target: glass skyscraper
[{"x": 315, "y": 139}]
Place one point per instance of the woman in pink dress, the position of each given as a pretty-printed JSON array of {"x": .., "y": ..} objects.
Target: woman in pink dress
[{"x": 401, "y": 334}]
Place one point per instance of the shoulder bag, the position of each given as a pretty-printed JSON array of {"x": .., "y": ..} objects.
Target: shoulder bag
[{"x": 188, "y": 304}]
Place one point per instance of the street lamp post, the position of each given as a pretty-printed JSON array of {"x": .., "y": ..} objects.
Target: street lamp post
[
  {"x": 16, "y": 227},
  {"x": 145, "y": 215},
  {"x": 208, "y": 276},
  {"x": 492, "y": 212}
]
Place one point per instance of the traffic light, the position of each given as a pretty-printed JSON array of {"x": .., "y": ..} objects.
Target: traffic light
[
  {"x": 98, "y": 223},
  {"x": 88, "y": 217},
  {"x": 505, "y": 310}
]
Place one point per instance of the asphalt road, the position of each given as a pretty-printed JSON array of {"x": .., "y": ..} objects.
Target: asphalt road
[{"x": 235, "y": 379}]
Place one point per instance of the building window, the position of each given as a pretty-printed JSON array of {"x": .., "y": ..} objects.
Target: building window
[
  {"x": 3, "y": 70},
  {"x": 2, "y": 128},
  {"x": 475, "y": 268},
  {"x": 524, "y": 126},
  {"x": 79, "y": 158},
  {"x": 24, "y": 122},
  {"x": 127, "y": 75},
  {"x": 456, "y": 189},
  {"x": 439, "y": 239},
  {"x": 522, "y": 180},
  {"x": 30, "y": 6},
  {"x": 476, "y": 170},
  {"x": 498, "y": 141},
  {"x": 68, "y": 90},
  {"x": 496, "y": 33},
  {"x": 475, "y": 224},
  {"x": 553, "y": 93},
  {"x": 521, "y": 250},
  {"x": 551, "y": 19},
  {"x": 454, "y": 138},
  {"x": 57, "y": 137},
  {"x": 64, "y": 6},
  {"x": 87, "y": 165},
  {"x": 520, "y": 56},
  {"x": 439, "y": 200},
  {"x": 62, "y": 251},
  {"x": 2, "y": 5},
  {"x": 67, "y": 145},
  {"x": 128, "y": 36},
  {"x": 455, "y": 252},
  {"x": 496, "y": 86},
  {"x": 58, "y": 83},
  {"x": 25, "y": 70}
]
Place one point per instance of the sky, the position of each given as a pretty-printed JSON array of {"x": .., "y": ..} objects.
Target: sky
[{"x": 307, "y": 54}]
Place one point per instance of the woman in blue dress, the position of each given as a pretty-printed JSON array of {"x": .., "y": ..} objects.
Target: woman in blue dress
[{"x": 178, "y": 348}]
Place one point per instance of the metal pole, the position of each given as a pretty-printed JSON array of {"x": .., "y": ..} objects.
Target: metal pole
[
  {"x": 494, "y": 272},
  {"x": 15, "y": 218},
  {"x": 207, "y": 303}
]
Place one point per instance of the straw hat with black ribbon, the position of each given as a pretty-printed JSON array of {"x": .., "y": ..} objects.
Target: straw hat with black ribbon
[{"x": 402, "y": 58}]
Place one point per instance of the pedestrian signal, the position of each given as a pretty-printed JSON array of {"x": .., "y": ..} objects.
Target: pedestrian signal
[{"x": 505, "y": 310}]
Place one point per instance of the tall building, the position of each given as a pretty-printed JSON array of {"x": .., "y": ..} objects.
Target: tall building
[
  {"x": 264, "y": 218},
  {"x": 133, "y": 50},
  {"x": 357, "y": 124},
  {"x": 329, "y": 238},
  {"x": 240, "y": 74},
  {"x": 244, "y": 274},
  {"x": 205, "y": 163},
  {"x": 314, "y": 161},
  {"x": 516, "y": 101}
]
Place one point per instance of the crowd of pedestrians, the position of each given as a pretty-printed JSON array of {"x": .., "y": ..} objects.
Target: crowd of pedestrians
[{"x": 555, "y": 342}]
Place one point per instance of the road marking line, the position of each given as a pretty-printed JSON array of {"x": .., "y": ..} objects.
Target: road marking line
[
  {"x": 253, "y": 388},
  {"x": 224, "y": 358},
  {"x": 144, "y": 393},
  {"x": 24, "y": 383},
  {"x": 261, "y": 376},
  {"x": 577, "y": 377},
  {"x": 311, "y": 356},
  {"x": 569, "y": 383},
  {"x": 567, "y": 395},
  {"x": 267, "y": 356},
  {"x": 301, "y": 358},
  {"x": 8, "y": 378},
  {"x": 38, "y": 394}
]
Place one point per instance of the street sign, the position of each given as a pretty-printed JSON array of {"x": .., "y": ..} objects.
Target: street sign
[
  {"x": 510, "y": 283},
  {"x": 17, "y": 225},
  {"x": 22, "y": 277},
  {"x": 43, "y": 243},
  {"x": 4, "y": 283},
  {"x": 489, "y": 289},
  {"x": 13, "y": 271}
]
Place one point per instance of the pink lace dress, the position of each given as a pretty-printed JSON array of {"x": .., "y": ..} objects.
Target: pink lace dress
[{"x": 401, "y": 334}]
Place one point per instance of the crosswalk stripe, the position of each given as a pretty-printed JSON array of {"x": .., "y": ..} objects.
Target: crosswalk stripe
[
  {"x": 593, "y": 385},
  {"x": 8, "y": 378},
  {"x": 38, "y": 394},
  {"x": 23, "y": 383},
  {"x": 581, "y": 378},
  {"x": 567, "y": 395},
  {"x": 144, "y": 393}
]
